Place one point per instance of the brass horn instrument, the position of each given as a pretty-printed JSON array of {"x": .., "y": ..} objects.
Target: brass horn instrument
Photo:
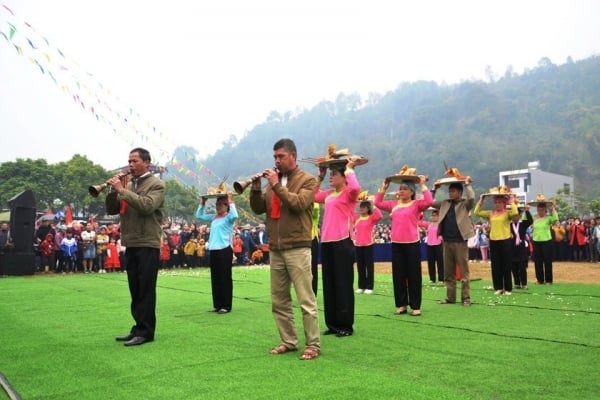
[
  {"x": 95, "y": 190},
  {"x": 239, "y": 187}
]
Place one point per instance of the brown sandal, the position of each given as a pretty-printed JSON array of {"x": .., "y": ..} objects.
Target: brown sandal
[
  {"x": 281, "y": 349},
  {"x": 310, "y": 353}
]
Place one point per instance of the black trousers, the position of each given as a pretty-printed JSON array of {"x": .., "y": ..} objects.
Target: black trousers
[
  {"x": 337, "y": 260},
  {"x": 542, "y": 259},
  {"x": 435, "y": 256},
  {"x": 519, "y": 271},
  {"x": 142, "y": 272},
  {"x": 501, "y": 258},
  {"x": 314, "y": 264},
  {"x": 406, "y": 274},
  {"x": 221, "y": 281},
  {"x": 520, "y": 258},
  {"x": 365, "y": 266}
]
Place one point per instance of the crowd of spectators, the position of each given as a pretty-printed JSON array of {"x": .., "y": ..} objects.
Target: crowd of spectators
[
  {"x": 62, "y": 248},
  {"x": 574, "y": 239},
  {"x": 184, "y": 245}
]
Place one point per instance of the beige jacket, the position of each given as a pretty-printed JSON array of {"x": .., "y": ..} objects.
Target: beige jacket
[{"x": 462, "y": 209}]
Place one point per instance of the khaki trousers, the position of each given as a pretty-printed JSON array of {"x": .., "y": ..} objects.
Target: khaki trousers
[
  {"x": 456, "y": 253},
  {"x": 289, "y": 267}
]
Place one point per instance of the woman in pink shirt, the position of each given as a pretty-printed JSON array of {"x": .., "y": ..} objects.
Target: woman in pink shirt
[
  {"x": 435, "y": 254},
  {"x": 337, "y": 248},
  {"x": 365, "y": 261},
  {"x": 405, "y": 214}
]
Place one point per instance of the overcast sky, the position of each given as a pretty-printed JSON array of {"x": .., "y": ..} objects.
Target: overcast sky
[{"x": 196, "y": 72}]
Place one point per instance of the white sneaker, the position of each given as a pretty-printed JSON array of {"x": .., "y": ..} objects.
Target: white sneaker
[
  {"x": 368, "y": 291},
  {"x": 359, "y": 291},
  {"x": 507, "y": 293},
  {"x": 498, "y": 292}
]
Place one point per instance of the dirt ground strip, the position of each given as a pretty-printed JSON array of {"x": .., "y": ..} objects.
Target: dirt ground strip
[{"x": 571, "y": 272}]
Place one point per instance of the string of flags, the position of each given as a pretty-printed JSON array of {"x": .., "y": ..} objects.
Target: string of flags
[{"x": 92, "y": 96}]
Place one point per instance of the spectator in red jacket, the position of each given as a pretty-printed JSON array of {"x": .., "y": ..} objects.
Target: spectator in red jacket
[{"x": 577, "y": 240}]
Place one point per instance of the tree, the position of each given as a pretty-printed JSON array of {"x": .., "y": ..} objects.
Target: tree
[
  {"x": 28, "y": 174},
  {"x": 563, "y": 207},
  {"x": 72, "y": 181},
  {"x": 594, "y": 207},
  {"x": 180, "y": 202}
]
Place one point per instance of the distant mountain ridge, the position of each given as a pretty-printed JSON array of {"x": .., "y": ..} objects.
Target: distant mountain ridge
[{"x": 549, "y": 114}]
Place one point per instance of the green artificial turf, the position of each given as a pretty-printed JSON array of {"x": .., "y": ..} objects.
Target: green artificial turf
[{"x": 57, "y": 342}]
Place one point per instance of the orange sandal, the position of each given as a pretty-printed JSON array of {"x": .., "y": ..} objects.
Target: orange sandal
[
  {"x": 310, "y": 353},
  {"x": 281, "y": 349}
]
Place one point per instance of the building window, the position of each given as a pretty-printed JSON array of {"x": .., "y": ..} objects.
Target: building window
[
  {"x": 514, "y": 184},
  {"x": 566, "y": 189}
]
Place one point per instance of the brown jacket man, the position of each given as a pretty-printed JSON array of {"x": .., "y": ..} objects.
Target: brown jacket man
[
  {"x": 455, "y": 227},
  {"x": 287, "y": 204}
]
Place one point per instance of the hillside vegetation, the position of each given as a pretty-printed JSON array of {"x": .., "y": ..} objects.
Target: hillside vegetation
[{"x": 549, "y": 114}]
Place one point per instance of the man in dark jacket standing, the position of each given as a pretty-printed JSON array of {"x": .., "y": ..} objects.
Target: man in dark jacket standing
[
  {"x": 455, "y": 227},
  {"x": 141, "y": 206}
]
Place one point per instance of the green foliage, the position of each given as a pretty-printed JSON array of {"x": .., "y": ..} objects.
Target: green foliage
[
  {"x": 550, "y": 114},
  {"x": 73, "y": 179},
  {"x": 594, "y": 206},
  {"x": 59, "y": 184},
  {"x": 21, "y": 175},
  {"x": 563, "y": 207},
  {"x": 180, "y": 202}
]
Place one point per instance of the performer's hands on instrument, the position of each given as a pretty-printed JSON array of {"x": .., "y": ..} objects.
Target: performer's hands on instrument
[
  {"x": 116, "y": 183},
  {"x": 271, "y": 175}
]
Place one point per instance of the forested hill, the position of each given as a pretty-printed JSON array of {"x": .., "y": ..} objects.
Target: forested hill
[{"x": 550, "y": 113}]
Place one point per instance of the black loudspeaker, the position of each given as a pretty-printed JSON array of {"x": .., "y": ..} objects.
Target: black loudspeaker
[
  {"x": 17, "y": 264},
  {"x": 22, "y": 221}
]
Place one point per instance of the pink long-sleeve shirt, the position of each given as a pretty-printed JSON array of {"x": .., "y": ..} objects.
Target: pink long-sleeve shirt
[
  {"x": 363, "y": 227},
  {"x": 405, "y": 218},
  {"x": 338, "y": 216},
  {"x": 433, "y": 239}
]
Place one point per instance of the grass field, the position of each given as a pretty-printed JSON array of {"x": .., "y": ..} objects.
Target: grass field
[{"x": 58, "y": 343}]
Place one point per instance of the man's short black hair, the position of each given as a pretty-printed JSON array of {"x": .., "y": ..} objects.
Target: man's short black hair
[
  {"x": 456, "y": 185},
  {"x": 287, "y": 144},
  {"x": 144, "y": 154}
]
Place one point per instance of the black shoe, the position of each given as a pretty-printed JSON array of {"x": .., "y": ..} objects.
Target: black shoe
[
  {"x": 137, "y": 340},
  {"x": 330, "y": 332},
  {"x": 125, "y": 338},
  {"x": 343, "y": 333}
]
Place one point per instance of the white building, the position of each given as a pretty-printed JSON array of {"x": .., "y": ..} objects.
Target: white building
[{"x": 527, "y": 183}]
